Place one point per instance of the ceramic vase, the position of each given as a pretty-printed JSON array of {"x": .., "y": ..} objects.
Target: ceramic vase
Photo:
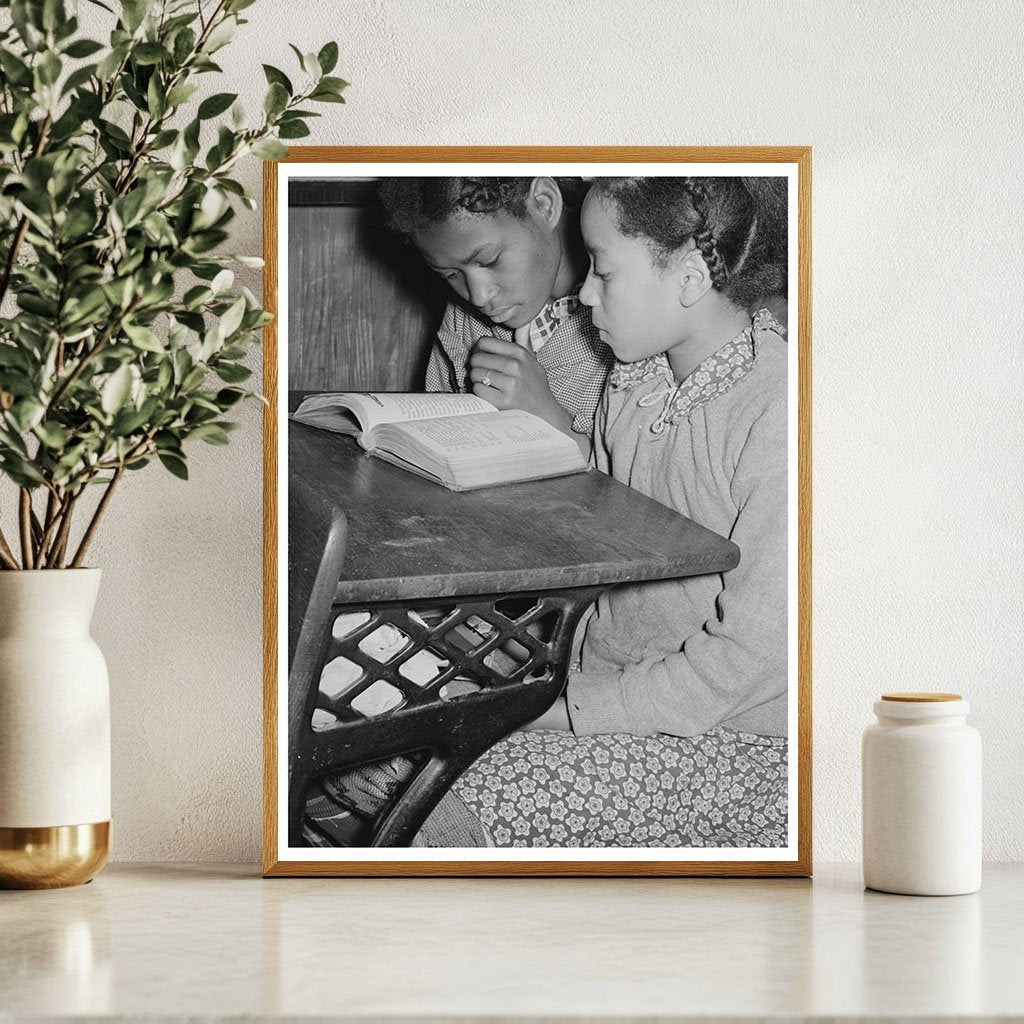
[
  {"x": 921, "y": 773},
  {"x": 54, "y": 731}
]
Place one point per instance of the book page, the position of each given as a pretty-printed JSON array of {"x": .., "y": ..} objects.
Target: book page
[
  {"x": 507, "y": 431},
  {"x": 372, "y": 409}
]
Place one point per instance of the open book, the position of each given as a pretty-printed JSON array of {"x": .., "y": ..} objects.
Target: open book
[{"x": 460, "y": 441}]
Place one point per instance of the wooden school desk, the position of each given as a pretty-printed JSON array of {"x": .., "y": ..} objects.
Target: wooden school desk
[{"x": 453, "y": 615}]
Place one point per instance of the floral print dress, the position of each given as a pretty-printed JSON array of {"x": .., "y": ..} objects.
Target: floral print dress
[{"x": 724, "y": 788}]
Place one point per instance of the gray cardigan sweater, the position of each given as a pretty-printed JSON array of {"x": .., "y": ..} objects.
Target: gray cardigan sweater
[{"x": 683, "y": 656}]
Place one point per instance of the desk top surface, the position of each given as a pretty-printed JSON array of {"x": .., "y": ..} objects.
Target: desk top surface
[
  {"x": 408, "y": 537},
  {"x": 187, "y": 942}
]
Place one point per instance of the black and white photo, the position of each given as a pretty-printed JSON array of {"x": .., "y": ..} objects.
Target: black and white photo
[{"x": 543, "y": 577}]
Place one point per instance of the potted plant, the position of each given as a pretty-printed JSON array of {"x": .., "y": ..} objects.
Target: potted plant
[{"x": 122, "y": 340}]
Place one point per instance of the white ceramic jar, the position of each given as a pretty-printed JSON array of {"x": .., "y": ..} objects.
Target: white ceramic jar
[{"x": 921, "y": 778}]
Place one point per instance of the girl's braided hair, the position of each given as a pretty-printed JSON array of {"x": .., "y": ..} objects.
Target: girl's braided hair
[
  {"x": 411, "y": 204},
  {"x": 738, "y": 224}
]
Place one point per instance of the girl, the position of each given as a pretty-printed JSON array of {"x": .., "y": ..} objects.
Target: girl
[{"x": 672, "y": 730}]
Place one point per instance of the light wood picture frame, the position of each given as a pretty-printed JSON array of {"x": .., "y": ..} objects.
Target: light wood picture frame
[{"x": 347, "y": 537}]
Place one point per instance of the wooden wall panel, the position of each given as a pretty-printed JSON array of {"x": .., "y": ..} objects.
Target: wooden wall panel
[{"x": 362, "y": 308}]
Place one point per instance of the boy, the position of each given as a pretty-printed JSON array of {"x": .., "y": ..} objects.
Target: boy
[
  {"x": 518, "y": 336},
  {"x": 511, "y": 250}
]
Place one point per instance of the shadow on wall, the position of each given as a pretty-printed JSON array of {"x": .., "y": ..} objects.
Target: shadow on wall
[{"x": 362, "y": 308}]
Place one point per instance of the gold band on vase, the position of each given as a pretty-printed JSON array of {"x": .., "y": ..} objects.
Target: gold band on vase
[{"x": 53, "y": 857}]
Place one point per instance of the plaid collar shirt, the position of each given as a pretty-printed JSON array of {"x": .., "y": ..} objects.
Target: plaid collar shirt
[
  {"x": 563, "y": 338},
  {"x": 546, "y": 322}
]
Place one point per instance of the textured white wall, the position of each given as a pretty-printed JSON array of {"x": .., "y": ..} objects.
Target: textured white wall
[{"x": 914, "y": 113}]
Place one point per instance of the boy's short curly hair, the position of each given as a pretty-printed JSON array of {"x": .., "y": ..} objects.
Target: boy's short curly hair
[
  {"x": 411, "y": 204},
  {"x": 739, "y": 225}
]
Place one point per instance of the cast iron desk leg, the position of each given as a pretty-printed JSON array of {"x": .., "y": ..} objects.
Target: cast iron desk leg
[{"x": 480, "y": 692}]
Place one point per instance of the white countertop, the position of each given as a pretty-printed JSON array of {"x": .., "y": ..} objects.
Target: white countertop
[{"x": 177, "y": 941}]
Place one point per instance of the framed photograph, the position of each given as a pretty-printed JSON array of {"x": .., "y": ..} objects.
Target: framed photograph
[{"x": 538, "y": 511}]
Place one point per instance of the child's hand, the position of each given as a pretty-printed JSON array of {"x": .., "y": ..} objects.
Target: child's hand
[{"x": 509, "y": 377}]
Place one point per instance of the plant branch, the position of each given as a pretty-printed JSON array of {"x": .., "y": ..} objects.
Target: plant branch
[
  {"x": 22, "y": 229},
  {"x": 54, "y": 511},
  {"x": 90, "y": 531},
  {"x": 6, "y": 554},
  {"x": 85, "y": 359},
  {"x": 25, "y": 521},
  {"x": 37, "y": 527},
  {"x": 60, "y": 543}
]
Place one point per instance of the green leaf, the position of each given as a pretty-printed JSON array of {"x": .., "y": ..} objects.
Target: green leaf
[
  {"x": 86, "y": 309},
  {"x": 156, "y": 101},
  {"x": 111, "y": 62},
  {"x": 193, "y": 379},
  {"x": 232, "y": 319},
  {"x": 116, "y": 133},
  {"x": 334, "y": 84},
  {"x": 14, "y": 68},
  {"x": 227, "y": 397},
  {"x": 26, "y": 413},
  {"x": 159, "y": 231},
  {"x": 12, "y": 356},
  {"x": 77, "y": 79},
  {"x": 11, "y": 443},
  {"x": 216, "y": 104},
  {"x": 164, "y": 376},
  {"x": 83, "y": 48},
  {"x": 278, "y": 77},
  {"x": 133, "y": 13},
  {"x": 184, "y": 44},
  {"x": 65, "y": 30},
  {"x": 181, "y": 94},
  {"x": 222, "y": 282},
  {"x": 193, "y": 321},
  {"x": 324, "y": 96},
  {"x": 26, "y": 21},
  {"x": 269, "y": 149},
  {"x": 149, "y": 53},
  {"x": 311, "y": 66},
  {"x": 78, "y": 222},
  {"x": 53, "y": 15},
  {"x": 49, "y": 68},
  {"x": 211, "y": 208},
  {"x": 221, "y": 35},
  {"x": 144, "y": 338},
  {"x": 211, "y": 433},
  {"x": 21, "y": 471},
  {"x": 175, "y": 465},
  {"x": 328, "y": 57},
  {"x": 276, "y": 99},
  {"x": 53, "y": 435},
  {"x": 128, "y": 421},
  {"x": 195, "y": 296},
  {"x": 119, "y": 291},
  {"x": 162, "y": 139},
  {"x": 232, "y": 373},
  {"x": 116, "y": 390},
  {"x": 292, "y": 130}
]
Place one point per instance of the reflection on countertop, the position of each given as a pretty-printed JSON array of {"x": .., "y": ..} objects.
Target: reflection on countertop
[{"x": 177, "y": 941}]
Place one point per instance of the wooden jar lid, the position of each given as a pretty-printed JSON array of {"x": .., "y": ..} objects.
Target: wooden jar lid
[{"x": 921, "y": 698}]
